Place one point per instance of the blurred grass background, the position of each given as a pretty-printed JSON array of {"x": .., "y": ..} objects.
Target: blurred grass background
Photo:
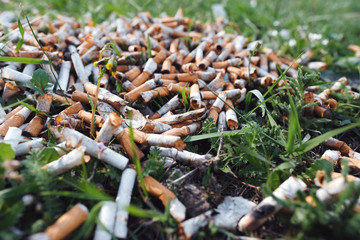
[{"x": 336, "y": 21}]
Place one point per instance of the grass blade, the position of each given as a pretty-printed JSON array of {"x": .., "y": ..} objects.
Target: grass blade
[
  {"x": 319, "y": 139},
  {"x": 24, "y": 60}
]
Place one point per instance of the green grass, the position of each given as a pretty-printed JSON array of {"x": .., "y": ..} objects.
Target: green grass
[{"x": 337, "y": 21}]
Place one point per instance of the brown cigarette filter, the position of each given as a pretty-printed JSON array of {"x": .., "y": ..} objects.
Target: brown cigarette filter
[
  {"x": 133, "y": 73},
  {"x": 68, "y": 222}
]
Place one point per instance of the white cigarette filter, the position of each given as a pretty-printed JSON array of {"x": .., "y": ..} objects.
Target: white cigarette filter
[
  {"x": 75, "y": 138},
  {"x": 192, "y": 225},
  {"x": 185, "y": 157},
  {"x": 123, "y": 199},
  {"x": 26, "y": 147},
  {"x": 106, "y": 217},
  {"x": 231, "y": 210},
  {"x": 13, "y": 136},
  {"x": 269, "y": 206},
  {"x": 66, "y": 162}
]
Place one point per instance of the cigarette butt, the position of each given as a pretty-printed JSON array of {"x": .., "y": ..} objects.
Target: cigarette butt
[
  {"x": 155, "y": 127},
  {"x": 322, "y": 112},
  {"x": 332, "y": 103},
  {"x": 155, "y": 93},
  {"x": 176, "y": 88},
  {"x": 206, "y": 76},
  {"x": 13, "y": 112},
  {"x": 66, "y": 162},
  {"x": 184, "y": 130},
  {"x": 75, "y": 108},
  {"x": 231, "y": 118},
  {"x": 332, "y": 156},
  {"x": 133, "y": 73},
  {"x": 134, "y": 94},
  {"x": 177, "y": 118},
  {"x": 68, "y": 222},
  {"x": 9, "y": 91},
  {"x": 13, "y": 137},
  {"x": 15, "y": 121},
  {"x": 124, "y": 139},
  {"x": 318, "y": 66},
  {"x": 158, "y": 190},
  {"x": 160, "y": 57},
  {"x": 159, "y": 140},
  {"x": 106, "y": 216},
  {"x": 111, "y": 124},
  {"x": 86, "y": 116},
  {"x": 35, "y": 126},
  {"x": 269, "y": 206},
  {"x": 195, "y": 98},
  {"x": 60, "y": 99},
  {"x": 82, "y": 97},
  {"x": 189, "y": 68},
  {"x": 26, "y": 147},
  {"x": 141, "y": 78},
  {"x": 336, "y": 144},
  {"x": 186, "y": 77}
]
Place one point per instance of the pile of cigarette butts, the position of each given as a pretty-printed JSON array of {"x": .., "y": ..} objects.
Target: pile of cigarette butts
[{"x": 88, "y": 65}]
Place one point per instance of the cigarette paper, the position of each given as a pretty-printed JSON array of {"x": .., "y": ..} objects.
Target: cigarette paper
[
  {"x": 184, "y": 157},
  {"x": 26, "y": 147},
  {"x": 123, "y": 199},
  {"x": 231, "y": 210},
  {"x": 192, "y": 225},
  {"x": 78, "y": 65},
  {"x": 105, "y": 95},
  {"x": 177, "y": 118},
  {"x": 14, "y": 75},
  {"x": 184, "y": 131},
  {"x": 195, "y": 98},
  {"x": 74, "y": 138},
  {"x": 66, "y": 162},
  {"x": 109, "y": 128},
  {"x": 107, "y": 218},
  {"x": 269, "y": 205},
  {"x": 159, "y": 140},
  {"x": 13, "y": 137}
]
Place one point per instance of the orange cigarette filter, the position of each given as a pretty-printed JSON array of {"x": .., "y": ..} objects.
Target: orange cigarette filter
[
  {"x": 134, "y": 94},
  {"x": 124, "y": 139},
  {"x": 13, "y": 112},
  {"x": 157, "y": 190},
  {"x": 322, "y": 112},
  {"x": 86, "y": 117},
  {"x": 82, "y": 97},
  {"x": 75, "y": 108},
  {"x": 60, "y": 99},
  {"x": 133, "y": 73},
  {"x": 336, "y": 144},
  {"x": 68, "y": 222}
]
